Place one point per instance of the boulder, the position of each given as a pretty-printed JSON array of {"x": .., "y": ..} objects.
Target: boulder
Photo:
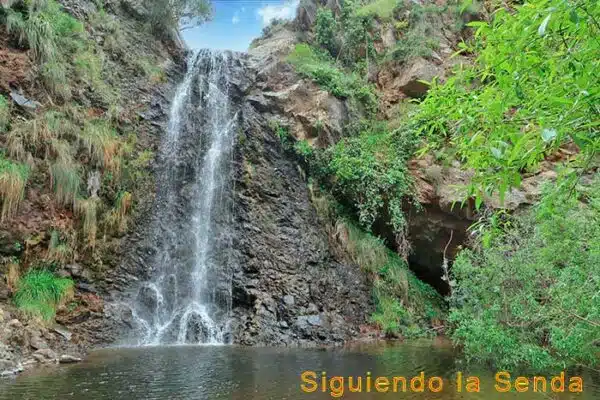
[{"x": 68, "y": 359}]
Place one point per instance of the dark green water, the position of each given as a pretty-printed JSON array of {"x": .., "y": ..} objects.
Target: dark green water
[{"x": 229, "y": 372}]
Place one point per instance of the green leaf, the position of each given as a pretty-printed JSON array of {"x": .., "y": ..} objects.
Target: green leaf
[
  {"x": 573, "y": 16},
  {"x": 476, "y": 24},
  {"x": 542, "y": 28}
]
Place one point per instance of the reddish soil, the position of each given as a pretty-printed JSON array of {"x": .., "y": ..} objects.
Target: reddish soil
[{"x": 15, "y": 65}]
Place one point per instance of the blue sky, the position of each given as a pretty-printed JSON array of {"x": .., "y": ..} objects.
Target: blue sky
[{"x": 236, "y": 22}]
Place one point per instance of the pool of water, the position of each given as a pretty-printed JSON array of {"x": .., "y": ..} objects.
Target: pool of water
[{"x": 231, "y": 372}]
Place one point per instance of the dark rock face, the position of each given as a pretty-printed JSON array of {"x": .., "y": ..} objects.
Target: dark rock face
[{"x": 288, "y": 288}]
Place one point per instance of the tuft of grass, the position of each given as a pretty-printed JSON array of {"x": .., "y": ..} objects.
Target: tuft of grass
[
  {"x": 117, "y": 218},
  {"x": 40, "y": 292},
  {"x": 150, "y": 70},
  {"x": 58, "y": 249},
  {"x": 382, "y": 9},
  {"x": 65, "y": 181},
  {"x": 320, "y": 67},
  {"x": 88, "y": 209},
  {"x": 102, "y": 144},
  {"x": 13, "y": 178},
  {"x": 4, "y": 114}
]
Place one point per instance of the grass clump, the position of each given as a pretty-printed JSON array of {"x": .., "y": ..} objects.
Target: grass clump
[
  {"x": 59, "y": 249},
  {"x": 404, "y": 304},
  {"x": 40, "y": 292},
  {"x": 320, "y": 67},
  {"x": 382, "y": 9},
  {"x": 528, "y": 295},
  {"x": 117, "y": 218},
  {"x": 66, "y": 181},
  {"x": 13, "y": 178},
  {"x": 4, "y": 114},
  {"x": 102, "y": 143},
  {"x": 88, "y": 210},
  {"x": 52, "y": 35}
]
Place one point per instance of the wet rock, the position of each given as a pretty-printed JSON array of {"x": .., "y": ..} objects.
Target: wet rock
[
  {"x": 314, "y": 320},
  {"x": 37, "y": 342},
  {"x": 68, "y": 359},
  {"x": 62, "y": 331},
  {"x": 86, "y": 287},
  {"x": 45, "y": 356},
  {"x": 288, "y": 300}
]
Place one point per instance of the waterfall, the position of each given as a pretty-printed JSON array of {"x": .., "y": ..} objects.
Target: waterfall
[{"x": 187, "y": 298}]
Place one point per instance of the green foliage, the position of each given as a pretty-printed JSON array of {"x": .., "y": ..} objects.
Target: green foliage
[
  {"x": 320, "y": 67},
  {"x": 40, "y": 292},
  {"x": 417, "y": 31},
  {"x": 4, "y": 114},
  {"x": 369, "y": 171},
  {"x": 170, "y": 15},
  {"x": 533, "y": 87},
  {"x": 325, "y": 30},
  {"x": 13, "y": 178},
  {"x": 528, "y": 296},
  {"x": 88, "y": 67},
  {"x": 303, "y": 149},
  {"x": 382, "y": 9}
]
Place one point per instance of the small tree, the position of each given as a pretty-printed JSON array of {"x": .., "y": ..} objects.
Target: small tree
[{"x": 178, "y": 14}]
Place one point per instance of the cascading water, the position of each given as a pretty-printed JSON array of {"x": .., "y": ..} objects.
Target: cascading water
[{"x": 187, "y": 298}]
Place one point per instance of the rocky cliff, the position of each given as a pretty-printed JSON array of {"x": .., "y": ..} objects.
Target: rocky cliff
[{"x": 122, "y": 76}]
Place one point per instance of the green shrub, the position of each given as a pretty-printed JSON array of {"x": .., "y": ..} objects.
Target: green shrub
[
  {"x": 40, "y": 292},
  {"x": 303, "y": 149},
  {"x": 320, "y": 67},
  {"x": 325, "y": 30},
  {"x": 532, "y": 88},
  {"x": 528, "y": 296},
  {"x": 369, "y": 171}
]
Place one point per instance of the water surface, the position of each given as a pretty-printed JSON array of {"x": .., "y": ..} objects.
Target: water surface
[{"x": 230, "y": 372}]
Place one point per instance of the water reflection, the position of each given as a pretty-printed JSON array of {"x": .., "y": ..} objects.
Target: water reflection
[{"x": 228, "y": 372}]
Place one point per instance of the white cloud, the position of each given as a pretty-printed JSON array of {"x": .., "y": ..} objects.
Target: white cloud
[
  {"x": 235, "y": 19},
  {"x": 270, "y": 12}
]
